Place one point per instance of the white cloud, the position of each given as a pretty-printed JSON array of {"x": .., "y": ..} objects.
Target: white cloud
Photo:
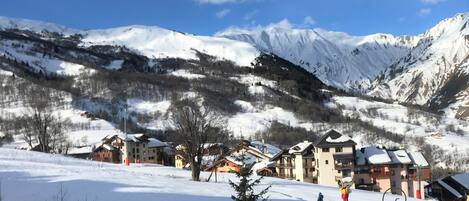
[
  {"x": 222, "y": 13},
  {"x": 431, "y": 1},
  {"x": 308, "y": 21},
  {"x": 250, "y": 15},
  {"x": 283, "y": 24},
  {"x": 219, "y": 1},
  {"x": 424, "y": 12}
]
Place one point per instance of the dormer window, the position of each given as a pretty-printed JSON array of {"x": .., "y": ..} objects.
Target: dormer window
[{"x": 338, "y": 149}]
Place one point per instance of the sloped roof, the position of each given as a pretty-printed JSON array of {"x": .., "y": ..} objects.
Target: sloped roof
[
  {"x": 463, "y": 179},
  {"x": 156, "y": 143},
  {"x": 333, "y": 138},
  {"x": 375, "y": 155},
  {"x": 300, "y": 147},
  {"x": 267, "y": 149},
  {"x": 418, "y": 159},
  {"x": 399, "y": 157}
]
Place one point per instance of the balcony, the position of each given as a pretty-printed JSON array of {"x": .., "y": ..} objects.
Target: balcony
[
  {"x": 339, "y": 166},
  {"x": 285, "y": 165}
]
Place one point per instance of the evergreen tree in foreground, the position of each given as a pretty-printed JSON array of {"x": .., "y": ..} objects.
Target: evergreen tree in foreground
[{"x": 245, "y": 188}]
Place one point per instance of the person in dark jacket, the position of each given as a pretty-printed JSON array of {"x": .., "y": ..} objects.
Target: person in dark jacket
[{"x": 320, "y": 197}]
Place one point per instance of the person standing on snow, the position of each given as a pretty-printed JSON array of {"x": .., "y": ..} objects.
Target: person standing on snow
[
  {"x": 320, "y": 197},
  {"x": 344, "y": 191}
]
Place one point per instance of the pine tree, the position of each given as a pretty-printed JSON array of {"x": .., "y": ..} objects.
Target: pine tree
[{"x": 245, "y": 188}]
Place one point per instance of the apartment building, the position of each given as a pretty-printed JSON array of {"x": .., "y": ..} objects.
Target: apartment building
[
  {"x": 378, "y": 169},
  {"x": 335, "y": 158},
  {"x": 297, "y": 163},
  {"x": 136, "y": 148}
]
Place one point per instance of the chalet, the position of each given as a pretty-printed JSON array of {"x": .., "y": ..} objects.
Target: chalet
[
  {"x": 212, "y": 152},
  {"x": 83, "y": 152},
  {"x": 260, "y": 150},
  {"x": 455, "y": 187},
  {"x": 335, "y": 158},
  {"x": 136, "y": 148},
  {"x": 233, "y": 162},
  {"x": 379, "y": 169},
  {"x": 106, "y": 153},
  {"x": 297, "y": 163},
  {"x": 156, "y": 152},
  {"x": 256, "y": 154}
]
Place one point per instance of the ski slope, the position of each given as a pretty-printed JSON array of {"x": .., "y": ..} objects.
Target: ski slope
[{"x": 37, "y": 176}]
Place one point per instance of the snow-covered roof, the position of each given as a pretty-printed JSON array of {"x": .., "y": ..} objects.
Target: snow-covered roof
[
  {"x": 342, "y": 138},
  {"x": 108, "y": 147},
  {"x": 156, "y": 143},
  {"x": 235, "y": 157},
  {"x": 375, "y": 155},
  {"x": 300, "y": 147},
  {"x": 360, "y": 158},
  {"x": 463, "y": 179},
  {"x": 333, "y": 138},
  {"x": 267, "y": 149},
  {"x": 400, "y": 157},
  {"x": 210, "y": 145},
  {"x": 80, "y": 150},
  {"x": 418, "y": 159},
  {"x": 262, "y": 164}
]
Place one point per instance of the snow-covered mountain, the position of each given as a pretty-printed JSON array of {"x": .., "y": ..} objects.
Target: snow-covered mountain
[
  {"x": 156, "y": 42},
  {"x": 151, "y": 41},
  {"x": 338, "y": 59},
  {"x": 435, "y": 72},
  {"x": 146, "y": 69}
]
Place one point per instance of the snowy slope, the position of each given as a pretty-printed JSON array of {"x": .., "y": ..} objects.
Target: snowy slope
[
  {"x": 45, "y": 176},
  {"x": 435, "y": 72},
  {"x": 156, "y": 42},
  {"x": 151, "y": 41},
  {"x": 33, "y": 25},
  {"x": 447, "y": 133},
  {"x": 337, "y": 58}
]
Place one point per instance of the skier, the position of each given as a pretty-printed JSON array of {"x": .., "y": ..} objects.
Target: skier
[
  {"x": 344, "y": 191},
  {"x": 320, "y": 197}
]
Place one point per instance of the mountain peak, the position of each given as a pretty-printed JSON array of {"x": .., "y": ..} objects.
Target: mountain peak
[{"x": 33, "y": 25}]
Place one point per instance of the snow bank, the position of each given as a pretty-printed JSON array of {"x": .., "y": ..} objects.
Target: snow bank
[
  {"x": 186, "y": 74},
  {"x": 43, "y": 175},
  {"x": 249, "y": 122}
]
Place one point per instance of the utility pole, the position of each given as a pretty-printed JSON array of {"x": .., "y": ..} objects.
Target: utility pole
[
  {"x": 419, "y": 192},
  {"x": 126, "y": 159}
]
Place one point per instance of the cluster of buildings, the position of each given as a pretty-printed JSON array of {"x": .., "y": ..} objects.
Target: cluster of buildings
[
  {"x": 131, "y": 148},
  {"x": 332, "y": 158}
]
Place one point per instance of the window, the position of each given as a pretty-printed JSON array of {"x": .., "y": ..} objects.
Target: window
[
  {"x": 393, "y": 183},
  {"x": 143, "y": 145},
  {"x": 325, "y": 149},
  {"x": 361, "y": 181},
  {"x": 338, "y": 171},
  {"x": 327, "y": 162},
  {"x": 338, "y": 149},
  {"x": 393, "y": 173}
]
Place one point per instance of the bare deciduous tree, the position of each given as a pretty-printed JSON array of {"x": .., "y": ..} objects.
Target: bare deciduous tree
[{"x": 195, "y": 127}]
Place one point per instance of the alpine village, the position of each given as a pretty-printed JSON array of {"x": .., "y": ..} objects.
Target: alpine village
[{"x": 244, "y": 100}]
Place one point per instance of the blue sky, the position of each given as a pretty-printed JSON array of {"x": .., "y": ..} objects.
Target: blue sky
[{"x": 206, "y": 17}]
